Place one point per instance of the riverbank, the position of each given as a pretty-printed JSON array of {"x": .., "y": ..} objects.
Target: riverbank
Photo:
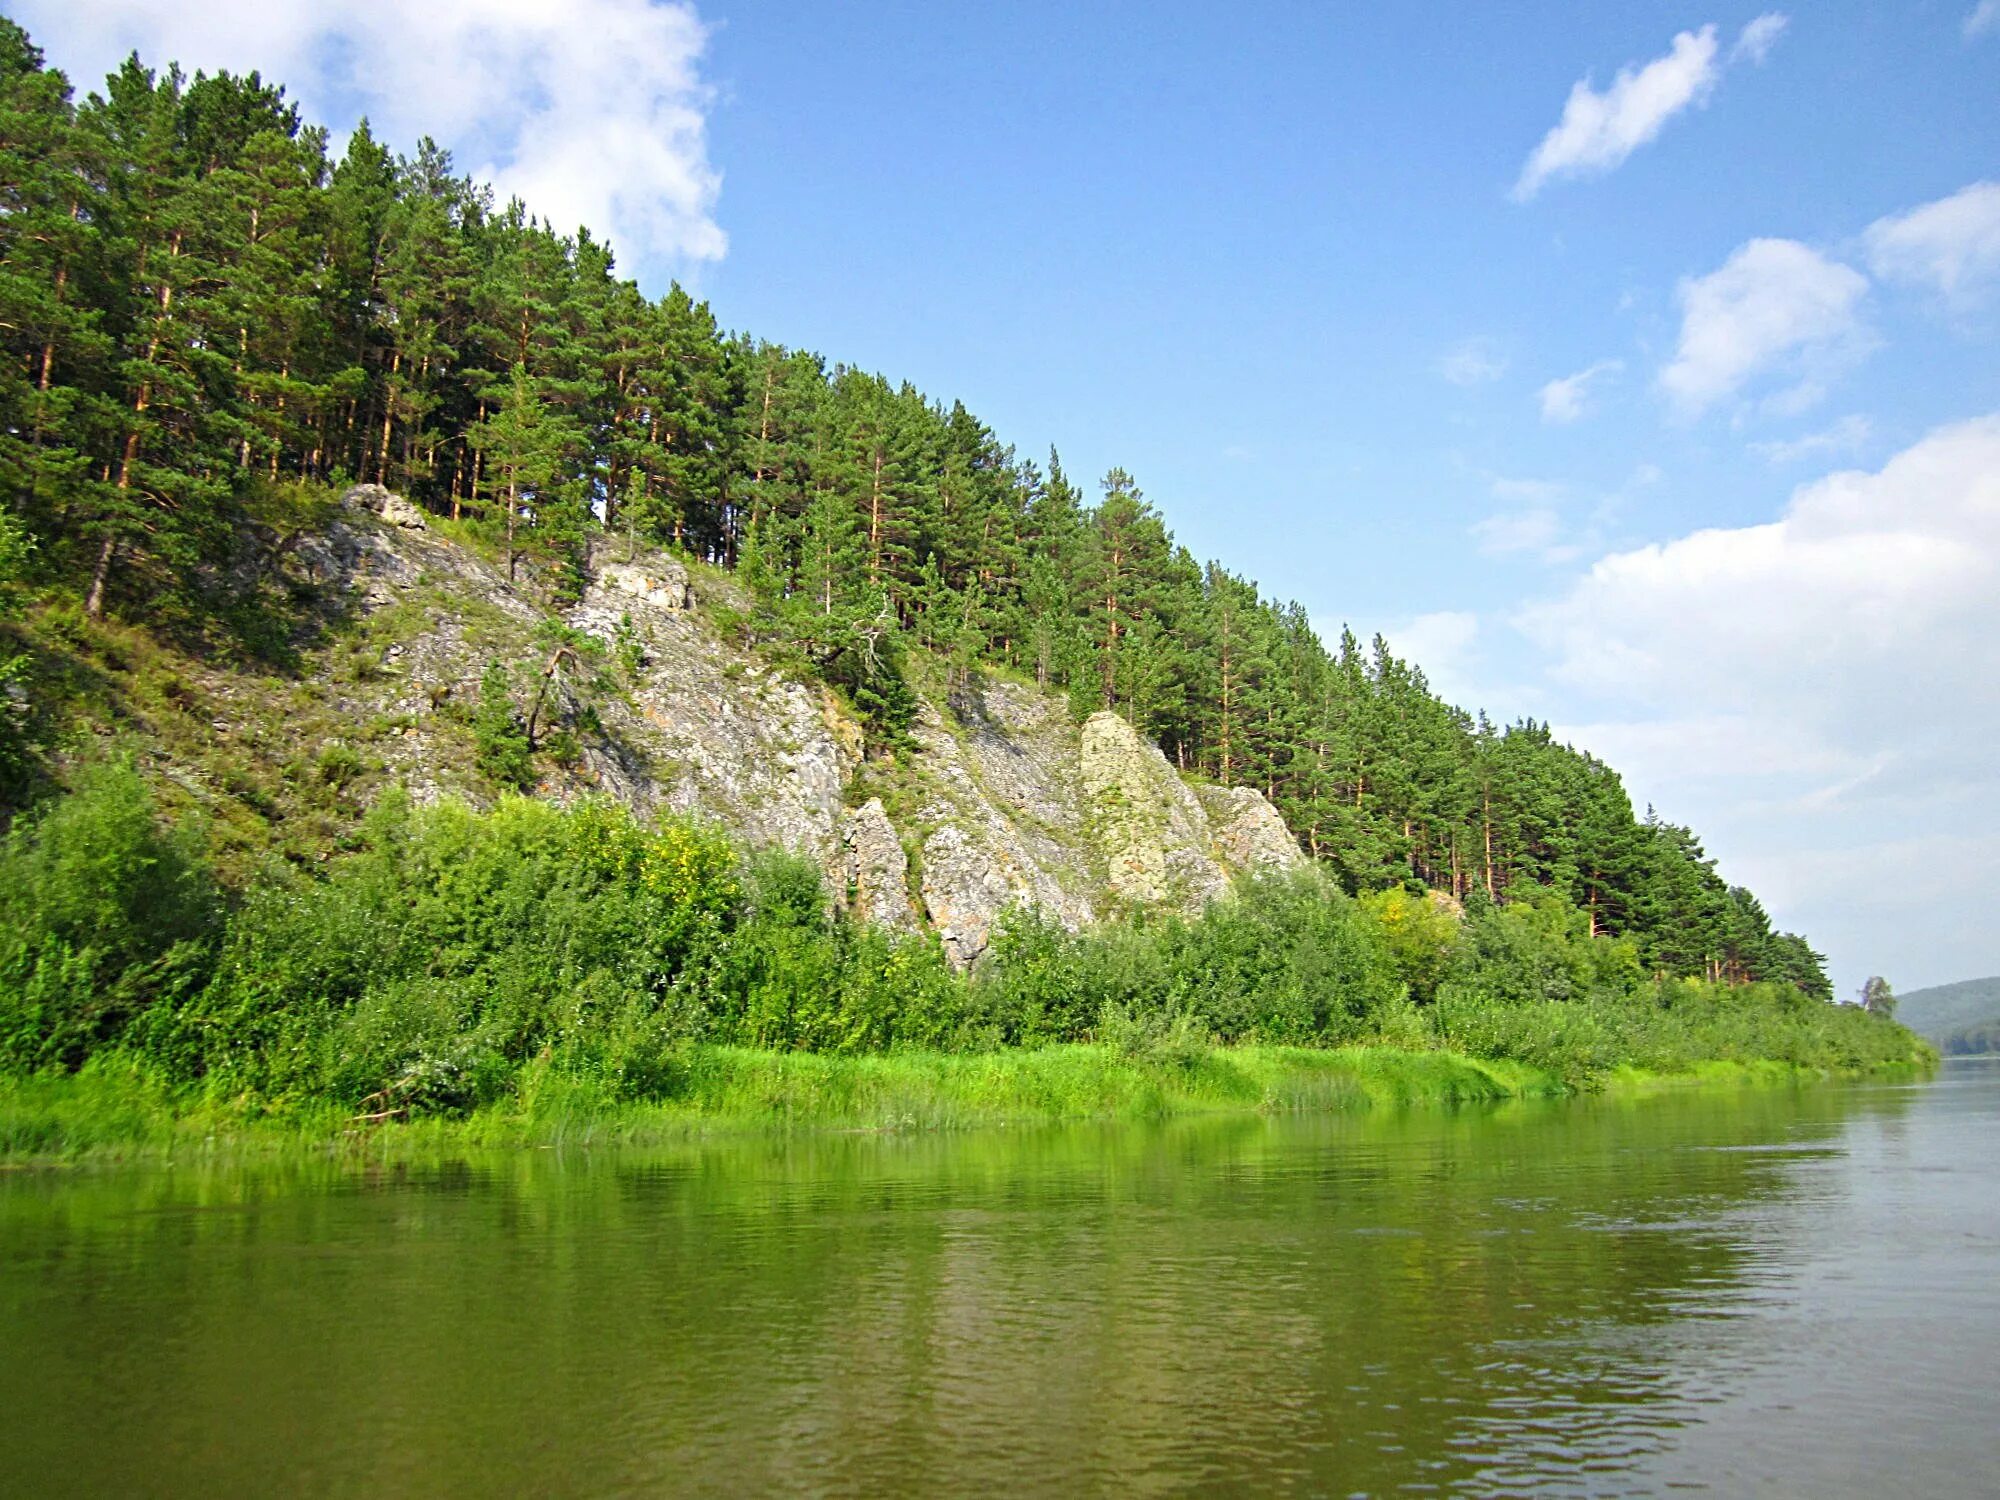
[{"x": 116, "y": 1109}]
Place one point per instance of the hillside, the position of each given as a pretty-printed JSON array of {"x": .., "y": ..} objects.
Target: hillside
[
  {"x": 214, "y": 328},
  {"x": 633, "y": 692},
  {"x": 1943, "y": 1009}
]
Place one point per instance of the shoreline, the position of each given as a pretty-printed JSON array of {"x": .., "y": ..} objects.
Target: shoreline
[{"x": 116, "y": 1113}]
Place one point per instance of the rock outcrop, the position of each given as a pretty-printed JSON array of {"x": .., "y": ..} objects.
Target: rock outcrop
[
  {"x": 1247, "y": 833},
  {"x": 1005, "y": 802},
  {"x": 1146, "y": 822},
  {"x": 998, "y": 810},
  {"x": 387, "y": 504},
  {"x": 871, "y": 871},
  {"x": 660, "y": 583}
]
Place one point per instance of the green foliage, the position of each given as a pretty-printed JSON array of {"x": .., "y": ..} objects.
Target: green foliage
[
  {"x": 1420, "y": 933},
  {"x": 16, "y": 717},
  {"x": 428, "y": 967},
  {"x": 794, "y": 977},
  {"x": 457, "y": 960},
  {"x": 500, "y": 743},
  {"x": 104, "y": 917}
]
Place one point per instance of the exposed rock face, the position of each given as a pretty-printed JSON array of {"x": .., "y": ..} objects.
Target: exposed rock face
[
  {"x": 1148, "y": 826},
  {"x": 1248, "y": 835},
  {"x": 871, "y": 873},
  {"x": 1000, "y": 813},
  {"x": 1012, "y": 804},
  {"x": 387, "y": 504},
  {"x": 705, "y": 730},
  {"x": 701, "y": 729},
  {"x": 660, "y": 582},
  {"x": 966, "y": 891}
]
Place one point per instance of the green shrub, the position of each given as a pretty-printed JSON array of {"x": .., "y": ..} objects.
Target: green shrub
[
  {"x": 553, "y": 957},
  {"x": 104, "y": 915},
  {"x": 500, "y": 743}
]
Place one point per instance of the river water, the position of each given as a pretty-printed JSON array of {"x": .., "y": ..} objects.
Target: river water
[{"x": 1744, "y": 1292}]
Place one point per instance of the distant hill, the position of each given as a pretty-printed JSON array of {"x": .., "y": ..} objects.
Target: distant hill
[{"x": 1944, "y": 1008}]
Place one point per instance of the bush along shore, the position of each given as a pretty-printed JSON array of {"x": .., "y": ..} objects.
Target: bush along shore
[{"x": 535, "y": 973}]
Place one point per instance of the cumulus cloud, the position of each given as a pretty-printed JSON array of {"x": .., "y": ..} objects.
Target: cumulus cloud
[
  {"x": 1985, "y": 17},
  {"x": 1760, "y": 36},
  {"x": 1563, "y": 400},
  {"x": 1951, "y": 246},
  {"x": 1773, "y": 305},
  {"x": 1862, "y": 616},
  {"x": 1813, "y": 688},
  {"x": 594, "y": 112},
  {"x": 1599, "y": 130},
  {"x": 1474, "y": 362}
]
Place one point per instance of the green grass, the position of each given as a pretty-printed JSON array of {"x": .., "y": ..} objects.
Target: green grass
[
  {"x": 118, "y": 1107},
  {"x": 1752, "y": 1072}
]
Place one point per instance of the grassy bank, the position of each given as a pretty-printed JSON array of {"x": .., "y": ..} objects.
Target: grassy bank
[{"x": 120, "y": 1109}]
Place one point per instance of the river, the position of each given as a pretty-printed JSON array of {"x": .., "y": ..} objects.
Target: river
[{"x": 1792, "y": 1292}]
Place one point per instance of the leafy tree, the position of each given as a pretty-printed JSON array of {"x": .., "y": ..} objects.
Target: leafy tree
[{"x": 1877, "y": 998}]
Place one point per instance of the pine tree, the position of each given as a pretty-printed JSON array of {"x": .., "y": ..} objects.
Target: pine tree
[{"x": 522, "y": 445}]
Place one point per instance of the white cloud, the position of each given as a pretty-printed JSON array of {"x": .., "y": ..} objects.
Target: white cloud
[
  {"x": 1474, "y": 362},
  {"x": 1816, "y": 685},
  {"x": 1773, "y": 305},
  {"x": 1537, "y": 530},
  {"x": 1761, "y": 35},
  {"x": 1985, "y": 17},
  {"x": 1815, "y": 614},
  {"x": 1847, "y": 436},
  {"x": 1951, "y": 246},
  {"x": 1599, "y": 130},
  {"x": 1563, "y": 400},
  {"x": 593, "y": 111},
  {"x": 1860, "y": 618},
  {"x": 1533, "y": 525}
]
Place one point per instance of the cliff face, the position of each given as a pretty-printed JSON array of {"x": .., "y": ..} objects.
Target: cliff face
[{"x": 1005, "y": 801}]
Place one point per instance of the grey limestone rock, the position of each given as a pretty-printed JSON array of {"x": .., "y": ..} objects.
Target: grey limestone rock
[
  {"x": 1246, "y": 832},
  {"x": 387, "y": 504},
  {"x": 966, "y": 890},
  {"x": 1148, "y": 826},
  {"x": 1013, "y": 804},
  {"x": 659, "y": 582},
  {"x": 870, "y": 871},
  {"x": 1000, "y": 801}
]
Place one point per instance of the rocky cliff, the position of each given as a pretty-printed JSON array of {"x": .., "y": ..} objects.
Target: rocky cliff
[{"x": 1005, "y": 801}]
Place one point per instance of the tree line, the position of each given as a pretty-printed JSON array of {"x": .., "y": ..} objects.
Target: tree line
[{"x": 199, "y": 298}]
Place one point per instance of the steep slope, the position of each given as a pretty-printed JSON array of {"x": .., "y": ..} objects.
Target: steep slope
[{"x": 1005, "y": 801}]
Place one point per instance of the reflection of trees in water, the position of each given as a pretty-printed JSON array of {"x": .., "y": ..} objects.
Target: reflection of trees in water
[{"x": 1356, "y": 1301}]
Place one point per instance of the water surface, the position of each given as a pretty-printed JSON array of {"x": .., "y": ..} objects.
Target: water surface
[{"x": 1755, "y": 1291}]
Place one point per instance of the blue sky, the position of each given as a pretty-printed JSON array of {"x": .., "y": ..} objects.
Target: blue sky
[{"x": 1313, "y": 273}]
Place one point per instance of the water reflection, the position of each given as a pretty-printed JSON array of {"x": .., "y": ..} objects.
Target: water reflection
[{"x": 1586, "y": 1297}]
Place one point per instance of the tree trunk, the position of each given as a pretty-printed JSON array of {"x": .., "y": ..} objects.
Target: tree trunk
[{"x": 94, "y": 605}]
